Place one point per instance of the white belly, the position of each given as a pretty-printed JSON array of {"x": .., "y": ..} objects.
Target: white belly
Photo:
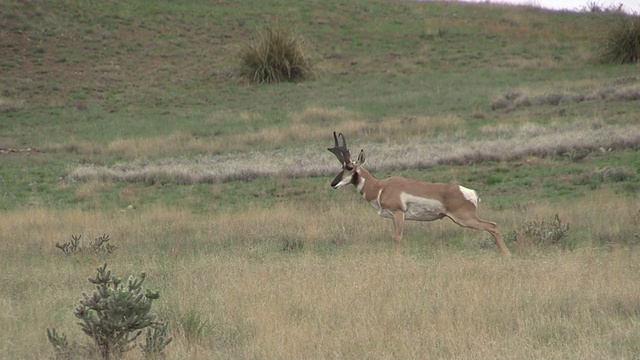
[{"x": 417, "y": 208}]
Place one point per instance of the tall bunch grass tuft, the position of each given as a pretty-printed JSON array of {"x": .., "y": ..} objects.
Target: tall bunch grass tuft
[
  {"x": 277, "y": 54},
  {"x": 621, "y": 44}
]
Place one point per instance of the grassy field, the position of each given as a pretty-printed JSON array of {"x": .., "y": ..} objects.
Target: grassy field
[{"x": 124, "y": 118}]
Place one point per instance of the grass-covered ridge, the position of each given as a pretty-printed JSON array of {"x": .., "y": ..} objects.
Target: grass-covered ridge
[
  {"x": 133, "y": 126},
  {"x": 130, "y": 70}
]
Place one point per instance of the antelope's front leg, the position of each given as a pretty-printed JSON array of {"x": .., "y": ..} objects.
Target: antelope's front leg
[{"x": 398, "y": 225}]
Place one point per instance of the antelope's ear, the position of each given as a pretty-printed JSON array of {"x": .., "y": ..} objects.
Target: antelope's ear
[{"x": 361, "y": 157}]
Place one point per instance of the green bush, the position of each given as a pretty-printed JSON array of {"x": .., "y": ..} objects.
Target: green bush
[
  {"x": 621, "y": 45},
  {"x": 277, "y": 54},
  {"x": 544, "y": 232},
  {"x": 114, "y": 317}
]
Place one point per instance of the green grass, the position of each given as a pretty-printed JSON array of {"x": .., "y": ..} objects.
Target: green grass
[{"x": 120, "y": 74}]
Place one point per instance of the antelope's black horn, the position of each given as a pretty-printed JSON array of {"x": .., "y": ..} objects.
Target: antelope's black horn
[{"x": 341, "y": 152}]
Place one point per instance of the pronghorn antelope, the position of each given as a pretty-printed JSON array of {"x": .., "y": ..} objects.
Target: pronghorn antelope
[{"x": 403, "y": 199}]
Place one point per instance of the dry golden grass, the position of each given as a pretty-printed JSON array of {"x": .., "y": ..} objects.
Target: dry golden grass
[
  {"x": 621, "y": 89},
  {"x": 171, "y": 145},
  {"x": 231, "y": 287}
]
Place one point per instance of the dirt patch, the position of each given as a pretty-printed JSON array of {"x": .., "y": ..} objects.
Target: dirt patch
[{"x": 8, "y": 151}]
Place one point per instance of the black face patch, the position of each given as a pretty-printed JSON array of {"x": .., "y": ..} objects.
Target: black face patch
[
  {"x": 336, "y": 180},
  {"x": 355, "y": 178}
]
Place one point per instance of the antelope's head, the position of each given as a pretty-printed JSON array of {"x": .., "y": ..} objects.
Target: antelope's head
[{"x": 350, "y": 169}]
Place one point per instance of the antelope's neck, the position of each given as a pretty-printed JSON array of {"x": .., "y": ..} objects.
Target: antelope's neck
[{"x": 367, "y": 185}]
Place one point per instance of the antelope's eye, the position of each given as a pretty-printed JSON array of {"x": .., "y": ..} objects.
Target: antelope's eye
[{"x": 348, "y": 167}]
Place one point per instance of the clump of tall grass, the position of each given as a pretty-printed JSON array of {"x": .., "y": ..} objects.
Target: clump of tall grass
[
  {"x": 621, "y": 44},
  {"x": 277, "y": 54}
]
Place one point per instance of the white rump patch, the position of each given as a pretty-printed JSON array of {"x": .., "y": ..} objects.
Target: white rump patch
[{"x": 470, "y": 195}]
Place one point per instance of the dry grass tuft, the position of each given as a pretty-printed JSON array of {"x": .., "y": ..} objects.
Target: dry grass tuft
[
  {"x": 621, "y": 43},
  {"x": 277, "y": 54}
]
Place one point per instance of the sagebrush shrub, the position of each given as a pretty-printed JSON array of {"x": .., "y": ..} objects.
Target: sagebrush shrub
[
  {"x": 277, "y": 54},
  {"x": 621, "y": 44},
  {"x": 545, "y": 232}
]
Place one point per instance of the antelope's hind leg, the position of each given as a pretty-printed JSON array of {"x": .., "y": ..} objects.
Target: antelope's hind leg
[
  {"x": 474, "y": 222},
  {"x": 398, "y": 226}
]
